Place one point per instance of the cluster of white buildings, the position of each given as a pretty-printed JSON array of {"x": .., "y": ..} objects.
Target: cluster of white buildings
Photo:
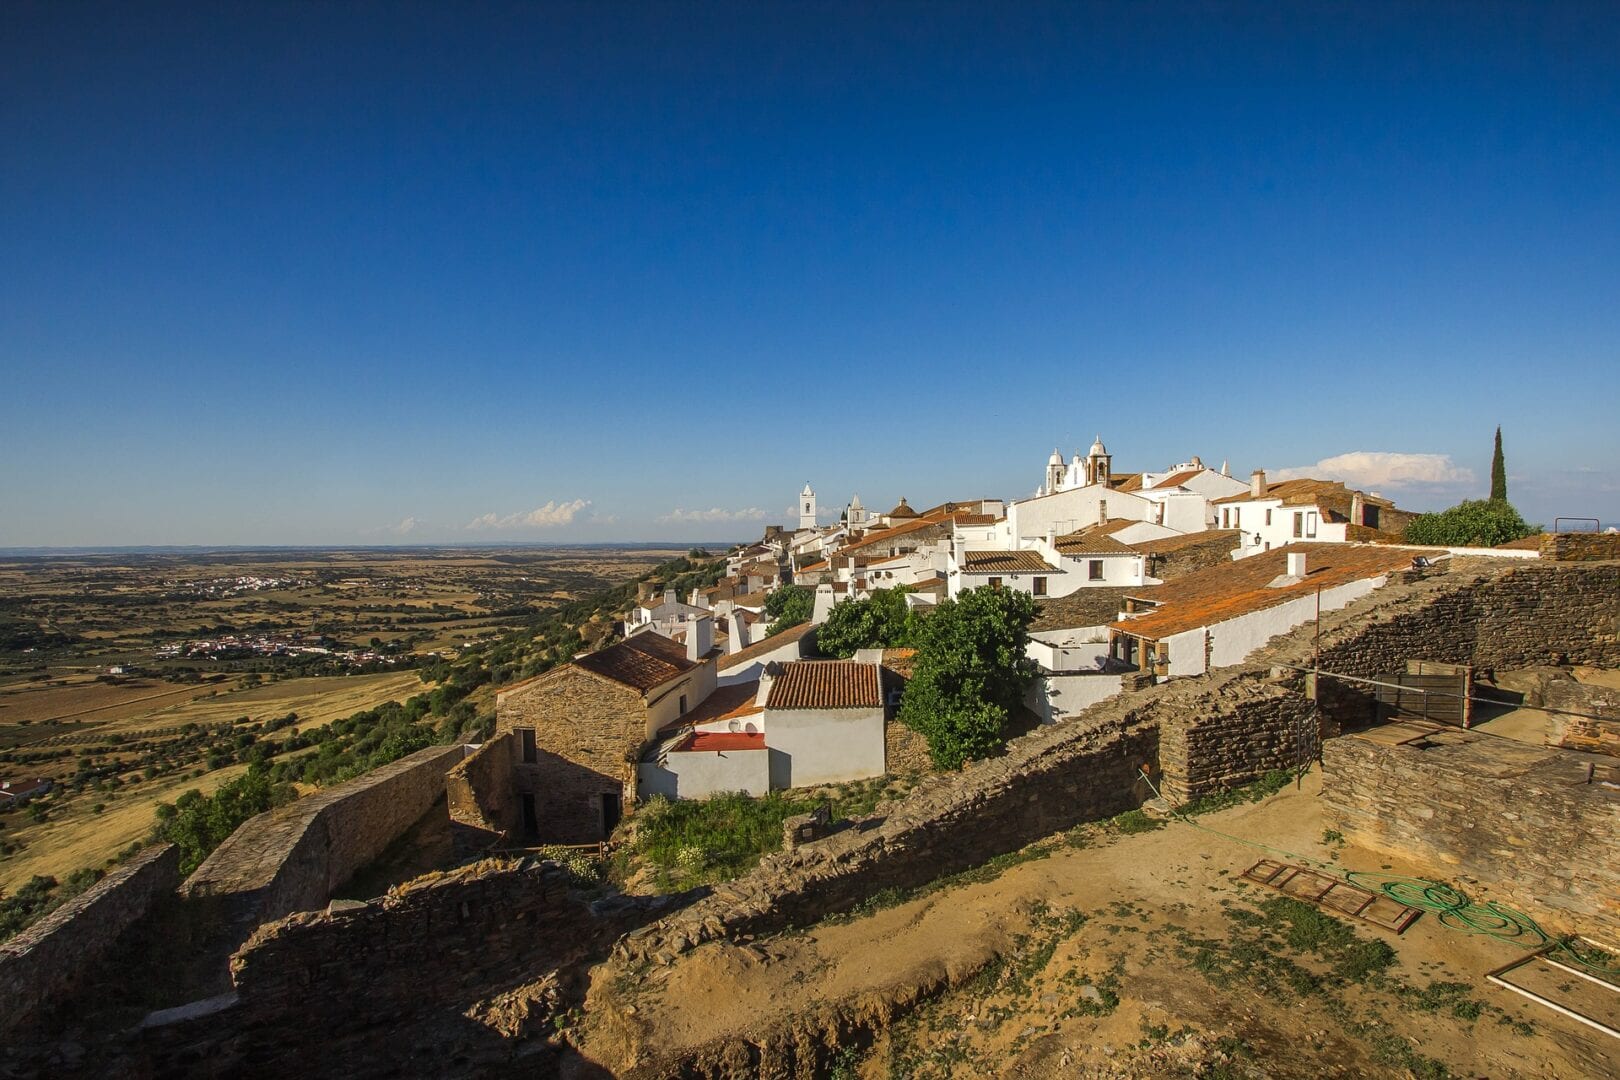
[{"x": 1140, "y": 575}]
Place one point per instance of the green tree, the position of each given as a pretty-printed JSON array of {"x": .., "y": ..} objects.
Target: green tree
[
  {"x": 971, "y": 672},
  {"x": 789, "y": 606},
  {"x": 1498, "y": 470},
  {"x": 883, "y": 620},
  {"x": 1472, "y": 523}
]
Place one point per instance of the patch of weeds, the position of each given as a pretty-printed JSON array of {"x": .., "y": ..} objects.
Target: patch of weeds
[
  {"x": 845, "y": 1065},
  {"x": 1451, "y": 997},
  {"x": 1391, "y": 1049},
  {"x": 1333, "y": 836},
  {"x": 1263, "y": 788},
  {"x": 1135, "y": 821}
]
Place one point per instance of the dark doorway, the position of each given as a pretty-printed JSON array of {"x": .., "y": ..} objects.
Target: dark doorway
[
  {"x": 610, "y": 814},
  {"x": 531, "y": 820}
]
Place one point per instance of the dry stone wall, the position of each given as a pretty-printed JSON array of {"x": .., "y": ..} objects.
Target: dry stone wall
[
  {"x": 293, "y": 857},
  {"x": 1523, "y": 820},
  {"x": 437, "y": 978},
  {"x": 46, "y": 963},
  {"x": 483, "y": 802},
  {"x": 1591, "y": 721}
]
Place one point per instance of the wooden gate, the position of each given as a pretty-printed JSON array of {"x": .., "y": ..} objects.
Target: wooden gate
[{"x": 1430, "y": 690}]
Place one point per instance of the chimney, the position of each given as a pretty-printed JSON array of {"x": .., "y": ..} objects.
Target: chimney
[
  {"x": 669, "y": 596},
  {"x": 644, "y": 590},
  {"x": 1257, "y": 484},
  {"x": 1358, "y": 510},
  {"x": 699, "y": 637},
  {"x": 1296, "y": 564},
  {"x": 739, "y": 632}
]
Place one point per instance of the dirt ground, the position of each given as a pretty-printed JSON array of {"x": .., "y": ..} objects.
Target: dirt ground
[{"x": 1126, "y": 955}]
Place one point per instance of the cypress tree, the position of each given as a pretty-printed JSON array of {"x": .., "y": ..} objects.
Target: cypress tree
[{"x": 1498, "y": 470}]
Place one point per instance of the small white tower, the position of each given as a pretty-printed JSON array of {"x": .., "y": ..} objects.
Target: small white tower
[
  {"x": 1054, "y": 471},
  {"x": 856, "y": 515},
  {"x": 807, "y": 507},
  {"x": 1099, "y": 464}
]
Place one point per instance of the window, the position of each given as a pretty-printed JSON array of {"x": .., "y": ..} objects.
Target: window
[
  {"x": 683, "y": 706},
  {"x": 1096, "y": 570},
  {"x": 1226, "y": 517},
  {"x": 1369, "y": 516},
  {"x": 994, "y": 583},
  {"x": 1039, "y": 588},
  {"x": 1237, "y": 517},
  {"x": 1310, "y": 524},
  {"x": 1268, "y": 517},
  {"x": 1299, "y": 523},
  {"x": 530, "y": 756}
]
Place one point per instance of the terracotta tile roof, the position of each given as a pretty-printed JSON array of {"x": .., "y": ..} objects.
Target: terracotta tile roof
[
  {"x": 902, "y": 511},
  {"x": 725, "y": 703},
  {"x": 753, "y": 599},
  {"x": 760, "y": 648},
  {"x": 826, "y": 684},
  {"x": 1219, "y": 593},
  {"x": 974, "y": 519},
  {"x": 1126, "y": 481},
  {"x": 1178, "y": 479},
  {"x": 643, "y": 662},
  {"x": 822, "y": 565},
  {"x": 1167, "y": 544},
  {"x": 900, "y": 661},
  {"x": 1005, "y": 562},
  {"x": 700, "y": 741},
  {"x": 1528, "y": 543},
  {"x": 885, "y": 535},
  {"x": 1329, "y": 494},
  {"x": 1096, "y": 540}
]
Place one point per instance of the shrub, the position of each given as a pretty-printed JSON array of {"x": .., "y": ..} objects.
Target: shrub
[{"x": 1471, "y": 523}]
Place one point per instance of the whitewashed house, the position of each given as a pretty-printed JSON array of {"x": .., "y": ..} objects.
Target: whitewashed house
[
  {"x": 1217, "y": 616},
  {"x": 1313, "y": 511}
]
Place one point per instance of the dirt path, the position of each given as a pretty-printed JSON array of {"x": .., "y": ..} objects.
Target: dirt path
[{"x": 1132, "y": 955}]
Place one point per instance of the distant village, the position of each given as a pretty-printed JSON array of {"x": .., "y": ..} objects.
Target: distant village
[
  {"x": 244, "y": 646},
  {"x": 1137, "y": 577}
]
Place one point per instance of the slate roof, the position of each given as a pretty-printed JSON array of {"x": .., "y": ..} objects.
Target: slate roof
[
  {"x": 725, "y": 703},
  {"x": 1005, "y": 562},
  {"x": 1219, "y": 593},
  {"x": 643, "y": 662},
  {"x": 826, "y": 684},
  {"x": 1167, "y": 544},
  {"x": 1328, "y": 494},
  {"x": 1095, "y": 606}
]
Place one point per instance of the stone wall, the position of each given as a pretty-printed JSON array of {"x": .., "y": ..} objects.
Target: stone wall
[
  {"x": 483, "y": 803},
  {"x": 292, "y": 858},
  {"x": 440, "y": 977},
  {"x": 588, "y": 733},
  {"x": 1580, "y": 547},
  {"x": 1049, "y": 780},
  {"x": 905, "y": 751},
  {"x": 47, "y": 962},
  {"x": 1597, "y": 730},
  {"x": 1522, "y": 820}
]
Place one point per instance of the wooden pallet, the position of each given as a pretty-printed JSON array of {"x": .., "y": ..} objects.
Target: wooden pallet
[{"x": 1335, "y": 894}]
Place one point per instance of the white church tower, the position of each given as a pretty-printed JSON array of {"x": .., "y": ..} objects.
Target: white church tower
[{"x": 807, "y": 507}]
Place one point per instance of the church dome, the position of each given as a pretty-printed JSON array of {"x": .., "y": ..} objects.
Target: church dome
[
  {"x": 1055, "y": 459},
  {"x": 1097, "y": 448},
  {"x": 903, "y": 511}
]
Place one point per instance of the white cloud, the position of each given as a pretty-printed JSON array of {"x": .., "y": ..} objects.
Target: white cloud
[
  {"x": 407, "y": 526},
  {"x": 1383, "y": 469},
  {"x": 550, "y": 516},
  {"x": 752, "y": 513}
]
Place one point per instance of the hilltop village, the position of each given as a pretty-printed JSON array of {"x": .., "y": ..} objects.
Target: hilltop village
[
  {"x": 1393, "y": 743},
  {"x": 1136, "y": 576}
]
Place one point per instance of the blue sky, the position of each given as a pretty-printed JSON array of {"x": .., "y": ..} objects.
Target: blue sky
[{"x": 420, "y": 273}]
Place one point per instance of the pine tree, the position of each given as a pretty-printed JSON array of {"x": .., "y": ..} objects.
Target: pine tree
[{"x": 1498, "y": 470}]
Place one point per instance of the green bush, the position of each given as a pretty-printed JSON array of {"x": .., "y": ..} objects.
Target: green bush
[{"x": 1472, "y": 523}]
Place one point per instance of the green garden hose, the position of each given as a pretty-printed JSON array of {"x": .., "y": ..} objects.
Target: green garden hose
[{"x": 1449, "y": 905}]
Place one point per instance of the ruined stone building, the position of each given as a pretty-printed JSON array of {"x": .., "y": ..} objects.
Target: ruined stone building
[{"x": 562, "y": 765}]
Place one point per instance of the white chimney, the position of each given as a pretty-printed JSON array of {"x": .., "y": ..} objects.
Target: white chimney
[
  {"x": 1358, "y": 509},
  {"x": 739, "y": 632},
  {"x": 699, "y": 637},
  {"x": 1257, "y": 484},
  {"x": 1296, "y": 564},
  {"x": 669, "y": 596}
]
